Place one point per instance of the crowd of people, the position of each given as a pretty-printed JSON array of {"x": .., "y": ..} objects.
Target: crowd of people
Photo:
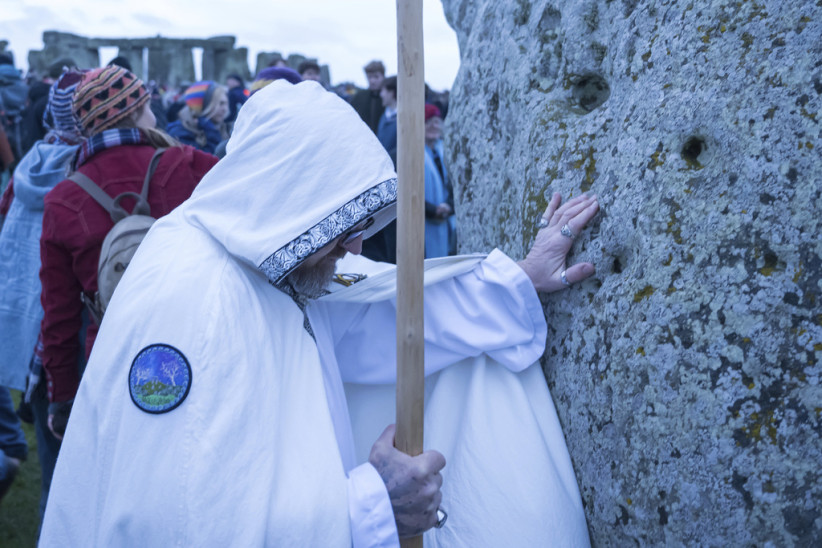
[
  {"x": 202, "y": 114},
  {"x": 277, "y": 183}
]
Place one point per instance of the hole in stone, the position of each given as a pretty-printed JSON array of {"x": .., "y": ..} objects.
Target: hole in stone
[
  {"x": 591, "y": 91},
  {"x": 617, "y": 266},
  {"x": 693, "y": 148}
]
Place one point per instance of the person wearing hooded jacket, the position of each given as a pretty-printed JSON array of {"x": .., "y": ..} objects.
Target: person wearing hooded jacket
[
  {"x": 440, "y": 223},
  {"x": 111, "y": 106},
  {"x": 43, "y": 166},
  {"x": 201, "y": 122},
  {"x": 249, "y": 388}
]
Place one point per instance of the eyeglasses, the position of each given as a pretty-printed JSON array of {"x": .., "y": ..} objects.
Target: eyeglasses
[{"x": 352, "y": 235}]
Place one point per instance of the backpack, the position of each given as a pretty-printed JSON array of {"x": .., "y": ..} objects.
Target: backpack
[
  {"x": 13, "y": 94},
  {"x": 122, "y": 240}
]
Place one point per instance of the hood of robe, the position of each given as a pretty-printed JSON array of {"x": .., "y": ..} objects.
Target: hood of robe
[
  {"x": 301, "y": 169},
  {"x": 39, "y": 171}
]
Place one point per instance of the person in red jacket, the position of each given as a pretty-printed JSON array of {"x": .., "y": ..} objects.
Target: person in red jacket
[
  {"x": 112, "y": 107},
  {"x": 6, "y": 154}
]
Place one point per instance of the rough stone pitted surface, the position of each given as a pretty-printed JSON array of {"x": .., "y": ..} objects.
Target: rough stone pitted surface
[{"x": 686, "y": 372}]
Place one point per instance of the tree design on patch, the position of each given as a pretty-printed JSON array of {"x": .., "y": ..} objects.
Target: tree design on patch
[{"x": 159, "y": 379}]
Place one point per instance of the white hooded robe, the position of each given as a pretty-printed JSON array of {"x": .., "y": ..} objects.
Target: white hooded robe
[{"x": 261, "y": 450}]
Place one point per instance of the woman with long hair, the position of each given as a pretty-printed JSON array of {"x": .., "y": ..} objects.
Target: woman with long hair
[{"x": 201, "y": 123}]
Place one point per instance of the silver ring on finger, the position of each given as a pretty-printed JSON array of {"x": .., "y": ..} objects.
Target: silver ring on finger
[
  {"x": 542, "y": 223},
  {"x": 441, "y": 517},
  {"x": 564, "y": 279},
  {"x": 566, "y": 231}
]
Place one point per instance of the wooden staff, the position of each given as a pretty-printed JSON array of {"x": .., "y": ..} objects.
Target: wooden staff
[{"x": 410, "y": 232}]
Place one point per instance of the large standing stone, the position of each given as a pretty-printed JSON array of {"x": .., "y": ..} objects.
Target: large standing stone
[
  {"x": 686, "y": 373},
  {"x": 64, "y": 45},
  {"x": 134, "y": 54},
  {"x": 221, "y": 59},
  {"x": 170, "y": 61},
  {"x": 235, "y": 61}
]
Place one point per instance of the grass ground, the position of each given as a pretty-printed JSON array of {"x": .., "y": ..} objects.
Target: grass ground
[{"x": 19, "y": 509}]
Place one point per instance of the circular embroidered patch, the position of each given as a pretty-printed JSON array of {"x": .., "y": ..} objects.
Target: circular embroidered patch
[{"x": 159, "y": 379}]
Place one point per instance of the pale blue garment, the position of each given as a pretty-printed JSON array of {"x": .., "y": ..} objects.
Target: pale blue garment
[
  {"x": 20, "y": 310},
  {"x": 438, "y": 233}
]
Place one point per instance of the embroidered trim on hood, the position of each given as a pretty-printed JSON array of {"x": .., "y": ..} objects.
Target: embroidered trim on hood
[
  {"x": 374, "y": 200},
  {"x": 301, "y": 169}
]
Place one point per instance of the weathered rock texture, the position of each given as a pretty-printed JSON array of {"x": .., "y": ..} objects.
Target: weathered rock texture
[{"x": 686, "y": 373}]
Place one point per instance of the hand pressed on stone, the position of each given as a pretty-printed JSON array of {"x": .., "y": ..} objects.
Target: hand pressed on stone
[
  {"x": 413, "y": 484},
  {"x": 546, "y": 259}
]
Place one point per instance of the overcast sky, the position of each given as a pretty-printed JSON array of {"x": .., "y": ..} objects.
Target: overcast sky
[{"x": 344, "y": 34}]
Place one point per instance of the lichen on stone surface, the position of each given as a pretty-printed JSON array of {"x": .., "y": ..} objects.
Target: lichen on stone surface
[{"x": 686, "y": 372}]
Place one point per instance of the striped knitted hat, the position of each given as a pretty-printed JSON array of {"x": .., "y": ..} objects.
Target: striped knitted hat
[
  {"x": 198, "y": 96},
  {"x": 106, "y": 96},
  {"x": 58, "y": 118}
]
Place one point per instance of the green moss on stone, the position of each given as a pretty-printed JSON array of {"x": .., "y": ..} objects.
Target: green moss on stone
[
  {"x": 589, "y": 162},
  {"x": 646, "y": 291},
  {"x": 673, "y": 228},
  {"x": 657, "y": 158}
]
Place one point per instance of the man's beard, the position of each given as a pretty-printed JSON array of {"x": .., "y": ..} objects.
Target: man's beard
[{"x": 311, "y": 281}]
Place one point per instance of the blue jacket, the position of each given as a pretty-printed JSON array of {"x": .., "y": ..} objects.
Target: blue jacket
[
  {"x": 439, "y": 234},
  {"x": 387, "y": 133},
  {"x": 20, "y": 310},
  {"x": 212, "y": 134}
]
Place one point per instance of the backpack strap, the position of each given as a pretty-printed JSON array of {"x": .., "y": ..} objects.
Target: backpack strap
[
  {"x": 152, "y": 166},
  {"x": 112, "y": 205},
  {"x": 98, "y": 194}
]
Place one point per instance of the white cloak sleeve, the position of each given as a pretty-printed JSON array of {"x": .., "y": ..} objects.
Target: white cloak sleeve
[
  {"x": 492, "y": 309},
  {"x": 487, "y": 404},
  {"x": 369, "y": 507}
]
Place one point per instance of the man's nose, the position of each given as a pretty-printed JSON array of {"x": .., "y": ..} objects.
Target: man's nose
[{"x": 354, "y": 246}]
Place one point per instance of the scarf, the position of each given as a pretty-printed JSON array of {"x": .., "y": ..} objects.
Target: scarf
[{"x": 106, "y": 139}]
